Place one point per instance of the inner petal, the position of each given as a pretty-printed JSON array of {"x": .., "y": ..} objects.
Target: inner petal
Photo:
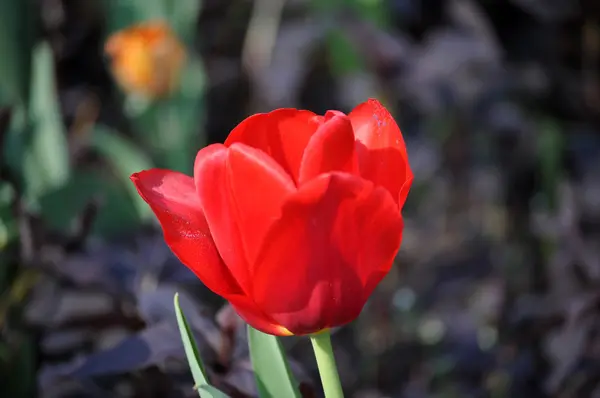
[
  {"x": 331, "y": 148},
  {"x": 282, "y": 134},
  {"x": 241, "y": 190}
]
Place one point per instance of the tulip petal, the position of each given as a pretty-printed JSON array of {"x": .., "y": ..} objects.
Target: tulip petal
[
  {"x": 253, "y": 316},
  {"x": 282, "y": 134},
  {"x": 241, "y": 190},
  {"x": 331, "y": 148},
  {"x": 319, "y": 259},
  {"x": 381, "y": 149},
  {"x": 173, "y": 198}
]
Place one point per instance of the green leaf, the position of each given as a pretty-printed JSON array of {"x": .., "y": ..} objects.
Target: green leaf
[
  {"x": 326, "y": 6},
  {"x": 193, "y": 79},
  {"x": 16, "y": 39},
  {"x": 374, "y": 11},
  {"x": 183, "y": 15},
  {"x": 116, "y": 216},
  {"x": 14, "y": 144},
  {"x": 20, "y": 382},
  {"x": 172, "y": 128},
  {"x": 125, "y": 159},
  {"x": 193, "y": 356},
  {"x": 182, "y": 119},
  {"x": 343, "y": 54},
  {"x": 210, "y": 391},
  {"x": 550, "y": 146},
  {"x": 123, "y": 13},
  {"x": 8, "y": 225},
  {"x": 189, "y": 344},
  {"x": 46, "y": 158},
  {"x": 271, "y": 370}
]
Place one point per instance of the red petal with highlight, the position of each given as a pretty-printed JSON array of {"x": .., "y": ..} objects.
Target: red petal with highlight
[
  {"x": 241, "y": 190},
  {"x": 331, "y": 148},
  {"x": 381, "y": 150},
  {"x": 334, "y": 235},
  {"x": 172, "y": 196},
  {"x": 282, "y": 134}
]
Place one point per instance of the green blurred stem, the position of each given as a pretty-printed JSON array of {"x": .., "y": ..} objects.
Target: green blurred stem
[{"x": 330, "y": 378}]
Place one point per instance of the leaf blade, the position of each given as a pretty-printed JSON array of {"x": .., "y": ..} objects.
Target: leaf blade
[
  {"x": 271, "y": 369},
  {"x": 125, "y": 159},
  {"x": 212, "y": 391},
  {"x": 46, "y": 161},
  {"x": 193, "y": 356}
]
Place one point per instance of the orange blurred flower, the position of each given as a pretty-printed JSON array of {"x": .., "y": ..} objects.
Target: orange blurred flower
[{"x": 146, "y": 58}]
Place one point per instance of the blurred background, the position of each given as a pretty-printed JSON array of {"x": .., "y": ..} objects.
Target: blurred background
[{"x": 495, "y": 291}]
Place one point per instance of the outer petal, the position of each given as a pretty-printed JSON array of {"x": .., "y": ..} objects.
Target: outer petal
[
  {"x": 253, "y": 316},
  {"x": 381, "y": 150},
  {"x": 317, "y": 264},
  {"x": 241, "y": 190},
  {"x": 331, "y": 148},
  {"x": 282, "y": 134},
  {"x": 172, "y": 196}
]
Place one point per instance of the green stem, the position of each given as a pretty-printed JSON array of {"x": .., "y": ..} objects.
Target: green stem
[{"x": 330, "y": 379}]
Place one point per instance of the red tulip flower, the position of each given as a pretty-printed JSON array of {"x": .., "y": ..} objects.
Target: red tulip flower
[{"x": 295, "y": 219}]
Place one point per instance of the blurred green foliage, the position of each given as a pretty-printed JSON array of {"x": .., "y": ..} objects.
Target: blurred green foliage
[
  {"x": 344, "y": 56},
  {"x": 36, "y": 148},
  {"x": 38, "y": 157},
  {"x": 549, "y": 153},
  {"x": 17, "y": 30}
]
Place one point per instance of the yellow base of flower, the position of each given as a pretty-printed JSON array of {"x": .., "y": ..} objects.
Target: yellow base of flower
[{"x": 284, "y": 332}]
